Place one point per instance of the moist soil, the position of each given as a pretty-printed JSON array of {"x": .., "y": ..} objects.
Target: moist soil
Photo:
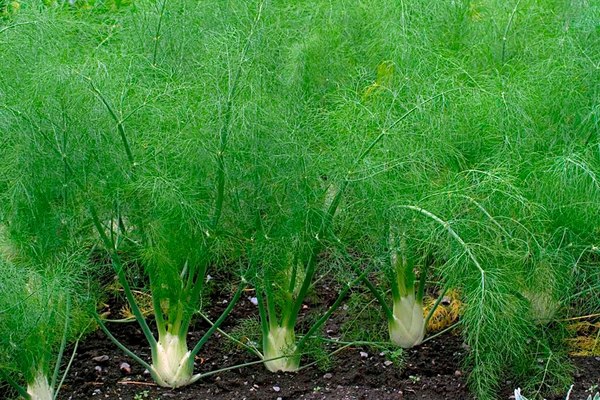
[{"x": 432, "y": 371}]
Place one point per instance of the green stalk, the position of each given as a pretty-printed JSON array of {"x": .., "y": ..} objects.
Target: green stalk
[
  {"x": 330, "y": 311},
  {"x": 118, "y": 121},
  {"x": 20, "y": 389},
  {"x": 435, "y": 306},
  {"x": 16, "y": 24},
  {"x": 289, "y": 320},
  {"x": 63, "y": 344},
  {"x": 118, "y": 267},
  {"x": 195, "y": 291},
  {"x": 270, "y": 301},
  {"x": 440, "y": 333},
  {"x": 219, "y": 321},
  {"x": 264, "y": 318},
  {"x": 158, "y": 314},
  {"x": 248, "y": 364},
  {"x": 122, "y": 346},
  {"x": 294, "y": 273},
  {"x": 379, "y": 296},
  {"x": 157, "y": 35},
  {"x": 422, "y": 281},
  {"x": 507, "y": 28},
  {"x": 252, "y": 349},
  {"x": 68, "y": 367}
]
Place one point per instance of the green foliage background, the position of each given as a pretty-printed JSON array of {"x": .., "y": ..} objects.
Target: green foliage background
[{"x": 507, "y": 155}]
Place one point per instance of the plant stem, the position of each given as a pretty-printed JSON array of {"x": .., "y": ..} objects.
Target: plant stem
[
  {"x": 506, "y": 29},
  {"x": 374, "y": 291},
  {"x": 234, "y": 340},
  {"x": 196, "y": 377},
  {"x": 63, "y": 344},
  {"x": 118, "y": 267},
  {"x": 16, "y": 24},
  {"x": 441, "y": 332},
  {"x": 68, "y": 367},
  {"x": 435, "y": 306},
  {"x": 219, "y": 321},
  {"x": 118, "y": 121},
  {"x": 330, "y": 311},
  {"x": 122, "y": 346},
  {"x": 157, "y": 35},
  {"x": 20, "y": 389}
]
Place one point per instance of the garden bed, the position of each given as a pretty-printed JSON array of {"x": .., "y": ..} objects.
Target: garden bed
[{"x": 432, "y": 371}]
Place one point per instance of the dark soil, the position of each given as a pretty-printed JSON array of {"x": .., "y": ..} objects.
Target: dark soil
[{"x": 431, "y": 371}]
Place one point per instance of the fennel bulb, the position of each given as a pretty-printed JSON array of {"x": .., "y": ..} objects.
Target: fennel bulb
[
  {"x": 407, "y": 327},
  {"x": 280, "y": 351},
  {"x": 40, "y": 389},
  {"x": 172, "y": 364}
]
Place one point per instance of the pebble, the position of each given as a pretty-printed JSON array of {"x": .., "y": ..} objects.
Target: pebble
[
  {"x": 103, "y": 358},
  {"x": 328, "y": 376},
  {"x": 125, "y": 368},
  {"x": 253, "y": 300},
  {"x": 276, "y": 388},
  {"x": 387, "y": 363},
  {"x": 98, "y": 369},
  {"x": 96, "y": 392},
  {"x": 457, "y": 373},
  {"x": 364, "y": 354}
]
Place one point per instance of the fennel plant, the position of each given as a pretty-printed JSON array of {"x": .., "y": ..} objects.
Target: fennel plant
[
  {"x": 40, "y": 313},
  {"x": 156, "y": 203}
]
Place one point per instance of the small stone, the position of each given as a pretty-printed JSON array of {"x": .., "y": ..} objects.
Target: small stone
[
  {"x": 457, "y": 373},
  {"x": 253, "y": 300},
  {"x": 387, "y": 363},
  {"x": 98, "y": 369},
  {"x": 279, "y": 398},
  {"x": 125, "y": 368},
  {"x": 146, "y": 372},
  {"x": 364, "y": 354},
  {"x": 328, "y": 376},
  {"x": 100, "y": 359},
  {"x": 96, "y": 392},
  {"x": 276, "y": 388}
]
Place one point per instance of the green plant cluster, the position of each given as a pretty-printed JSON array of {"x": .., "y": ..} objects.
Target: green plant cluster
[{"x": 388, "y": 148}]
